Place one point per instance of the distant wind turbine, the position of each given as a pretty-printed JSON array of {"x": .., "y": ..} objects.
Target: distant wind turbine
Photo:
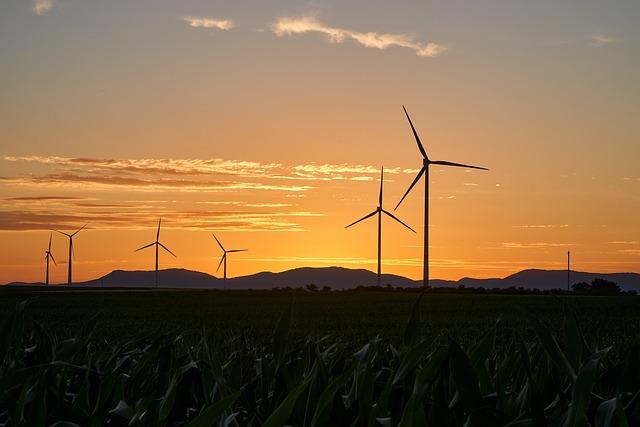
[
  {"x": 157, "y": 244},
  {"x": 223, "y": 260},
  {"x": 70, "y": 236},
  {"x": 379, "y": 211},
  {"x": 48, "y": 255},
  {"x": 426, "y": 162}
]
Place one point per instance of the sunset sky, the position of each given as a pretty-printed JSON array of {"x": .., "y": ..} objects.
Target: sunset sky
[{"x": 267, "y": 123}]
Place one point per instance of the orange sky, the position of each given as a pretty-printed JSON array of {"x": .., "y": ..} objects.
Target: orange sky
[{"x": 271, "y": 133}]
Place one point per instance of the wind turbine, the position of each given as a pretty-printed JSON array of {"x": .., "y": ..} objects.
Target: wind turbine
[
  {"x": 426, "y": 162},
  {"x": 48, "y": 255},
  {"x": 224, "y": 259},
  {"x": 157, "y": 244},
  {"x": 379, "y": 211},
  {"x": 70, "y": 236}
]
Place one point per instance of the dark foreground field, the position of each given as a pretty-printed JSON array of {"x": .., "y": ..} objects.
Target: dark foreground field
[
  {"x": 360, "y": 316},
  {"x": 93, "y": 357}
]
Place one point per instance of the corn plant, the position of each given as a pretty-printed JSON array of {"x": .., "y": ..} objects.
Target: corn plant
[{"x": 564, "y": 379}]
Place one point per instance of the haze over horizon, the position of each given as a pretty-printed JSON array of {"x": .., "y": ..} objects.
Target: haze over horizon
[{"x": 268, "y": 124}]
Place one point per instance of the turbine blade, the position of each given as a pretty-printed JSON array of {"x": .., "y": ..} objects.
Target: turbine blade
[
  {"x": 381, "y": 181},
  {"x": 158, "y": 233},
  {"x": 363, "y": 218},
  {"x": 145, "y": 247},
  {"x": 220, "y": 244},
  {"x": 221, "y": 260},
  {"x": 237, "y": 250},
  {"x": 50, "y": 235},
  {"x": 52, "y": 258},
  {"x": 167, "y": 249},
  {"x": 79, "y": 230},
  {"x": 415, "y": 181},
  {"x": 415, "y": 134},
  {"x": 459, "y": 165},
  {"x": 397, "y": 219},
  {"x": 62, "y": 232}
]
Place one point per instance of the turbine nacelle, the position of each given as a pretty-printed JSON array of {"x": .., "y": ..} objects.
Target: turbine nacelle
[
  {"x": 223, "y": 259},
  {"x": 426, "y": 162},
  {"x": 379, "y": 211},
  {"x": 158, "y": 245}
]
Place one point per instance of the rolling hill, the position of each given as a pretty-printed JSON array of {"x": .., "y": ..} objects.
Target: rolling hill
[{"x": 342, "y": 278}]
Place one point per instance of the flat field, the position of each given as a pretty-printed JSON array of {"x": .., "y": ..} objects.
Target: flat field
[
  {"x": 383, "y": 358},
  {"x": 356, "y": 316}
]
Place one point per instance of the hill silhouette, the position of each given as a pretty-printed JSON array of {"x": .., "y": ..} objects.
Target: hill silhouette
[{"x": 343, "y": 278}]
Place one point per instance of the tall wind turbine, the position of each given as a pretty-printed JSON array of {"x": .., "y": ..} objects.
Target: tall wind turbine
[
  {"x": 157, "y": 244},
  {"x": 70, "y": 236},
  {"x": 224, "y": 259},
  {"x": 48, "y": 255},
  {"x": 379, "y": 211},
  {"x": 426, "y": 162}
]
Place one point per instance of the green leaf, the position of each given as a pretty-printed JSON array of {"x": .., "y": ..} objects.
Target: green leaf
[
  {"x": 166, "y": 403},
  {"x": 577, "y": 415},
  {"x": 410, "y": 360},
  {"x": 552, "y": 348},
  {"x": 212, "y": 414},
  {"x": 465, "y": 377},
  {"x": 411, "y": 330},
  {"x": 281, "y": 415},
  {"x": 533, "y": 390},
  {"x": 620, "y": 413},
  {"x": 281, "y": 334},
  {"x": 325, "y": 401},
  {"x": 122, "y": 409},
  {"x": 605, "y": 413},
  {"x": 573, "y": 339}
]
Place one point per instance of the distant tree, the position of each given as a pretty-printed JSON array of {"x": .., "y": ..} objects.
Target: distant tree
[
  {"x": 311, "y": 287},
  {"x": 604, "y": 287},
  {"x": 581, "y": 288},
  {"x": 598, "y": 286},
  {"x": 326, "y": 288}
]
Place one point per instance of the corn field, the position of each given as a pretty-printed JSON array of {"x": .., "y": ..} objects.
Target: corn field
[{"x": 536, "y": 378}]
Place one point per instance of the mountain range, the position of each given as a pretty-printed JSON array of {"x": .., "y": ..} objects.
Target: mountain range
[{"x": 343, "y": 278}]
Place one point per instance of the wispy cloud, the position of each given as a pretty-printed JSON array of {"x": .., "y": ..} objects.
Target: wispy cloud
[
  {"x": 600, "y": 39},
  {"x": 42, "y": 198},
  {"x": 537, "y": 245},
  {"x": 137, "y": 170},
  {"x": 307, "y": 24},
  {"x": 113, "y": 182},
  {"x": 119, "y": 217},
  {"x": 204, "y": 22},
  {"x": 541, "y": 226},
  {"x": 41, "y": 6},
  {"x": 630, "y": 251}
]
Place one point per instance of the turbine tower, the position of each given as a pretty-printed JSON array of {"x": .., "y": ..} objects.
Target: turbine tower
[
  {"x": 48, "y": 255},
  {"x": 224, "y": 259},
  {"x": 379, "y": 211},
  {"x": 157, "y": 244},
  {"x": 426, "y": 162},
  {"x": 70, "y": 236}
]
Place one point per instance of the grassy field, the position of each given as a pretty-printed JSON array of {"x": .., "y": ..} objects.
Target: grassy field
[
  {"x": 95, "y": 357},
  {"x": 359, "y": 316}
]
